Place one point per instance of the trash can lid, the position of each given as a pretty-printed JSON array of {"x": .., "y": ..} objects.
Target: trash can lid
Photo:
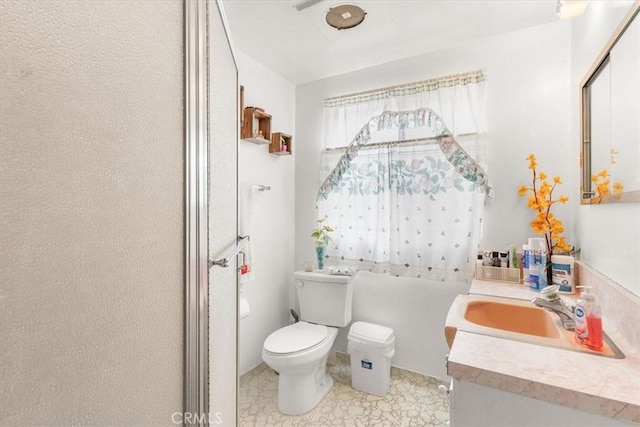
[{"x": 370, "y": 332}]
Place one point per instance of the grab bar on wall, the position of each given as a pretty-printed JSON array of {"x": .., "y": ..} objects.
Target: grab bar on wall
[{"x": 224, "y": 262}]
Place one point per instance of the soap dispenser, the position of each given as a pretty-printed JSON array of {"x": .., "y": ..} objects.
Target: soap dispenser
[{"x": 588, "y": 320}]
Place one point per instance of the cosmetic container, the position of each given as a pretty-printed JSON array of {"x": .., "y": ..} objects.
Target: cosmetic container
[{"x": 562, "y": 273}]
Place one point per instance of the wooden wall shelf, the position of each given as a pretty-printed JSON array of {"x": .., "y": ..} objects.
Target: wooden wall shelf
[
  {"x": 281, "y": 144},
  {"x": 256, "y": 126}
]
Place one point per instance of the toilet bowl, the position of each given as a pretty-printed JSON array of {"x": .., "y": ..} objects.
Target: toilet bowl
[{"x": 299, "y": 353}]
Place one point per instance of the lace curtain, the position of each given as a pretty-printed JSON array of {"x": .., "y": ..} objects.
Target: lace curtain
[{"x": 404, "y": 196}]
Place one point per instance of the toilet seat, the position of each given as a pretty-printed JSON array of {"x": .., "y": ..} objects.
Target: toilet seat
[{"x": 294, "y": 338}]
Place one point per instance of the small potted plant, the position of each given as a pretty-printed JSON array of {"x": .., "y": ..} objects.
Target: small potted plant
[{"x": 321, "y": 238}]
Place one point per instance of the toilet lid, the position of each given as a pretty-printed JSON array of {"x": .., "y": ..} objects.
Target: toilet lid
[{"x": 296, "y": 337}]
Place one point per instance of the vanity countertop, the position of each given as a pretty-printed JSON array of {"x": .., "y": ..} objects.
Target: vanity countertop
[{"x": 601, "y": 385}]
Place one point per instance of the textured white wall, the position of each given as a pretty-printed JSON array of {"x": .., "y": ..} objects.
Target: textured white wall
[
  {"x": 223, "y": 169},
  {"x": 271, "y": 222},
  {"x": 528, "y": 111},
  {"x": 92, "y": 277},
  {"x": 609, "y": 234}
]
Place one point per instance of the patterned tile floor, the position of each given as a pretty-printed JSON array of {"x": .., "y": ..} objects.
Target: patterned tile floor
[{"x": 413, "y": 400}]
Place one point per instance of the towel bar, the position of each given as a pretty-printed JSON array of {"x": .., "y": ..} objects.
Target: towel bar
[{"x": 224, "y": 262}]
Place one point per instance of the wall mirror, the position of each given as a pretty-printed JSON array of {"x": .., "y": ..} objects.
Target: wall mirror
[{"x": 610, "y": 128}]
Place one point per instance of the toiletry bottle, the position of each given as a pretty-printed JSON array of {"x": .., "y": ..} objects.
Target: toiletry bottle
[
  {"x": 513, "y": 256},
  {"x": 520, "y": 269},
  {"x": 542, "y": 271},
  {"x": 537, "y": 245},
  {"x": 525, "y": 264},
  {"x": 487, "y": 261},
  {"x": 533, "y": 269},
  {"x": 588, "y": 320},
  {"x": 594, "y": 322},
  {"x": 581, "y": 330},
  {"x": 496, "y": 259},
  {"x": 504, "y": 260},
  {"x": 594, "y": 325},
  {"x": 479, "y": 259}
]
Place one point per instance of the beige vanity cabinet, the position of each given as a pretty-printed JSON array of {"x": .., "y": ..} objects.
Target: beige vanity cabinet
[{"x": 478, "y": 405}]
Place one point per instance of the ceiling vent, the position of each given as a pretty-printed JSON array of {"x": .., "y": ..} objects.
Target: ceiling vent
[{"x": 345, "y": 16}]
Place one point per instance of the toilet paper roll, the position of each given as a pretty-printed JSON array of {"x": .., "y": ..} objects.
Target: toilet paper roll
[{"x": 244, "y": 310}]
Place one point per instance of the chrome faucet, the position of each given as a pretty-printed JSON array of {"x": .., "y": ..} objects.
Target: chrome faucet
[{"x": 552, "y": 302}]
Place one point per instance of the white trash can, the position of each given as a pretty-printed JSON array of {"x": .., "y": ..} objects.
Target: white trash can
[{"x": 370, "y": 349}]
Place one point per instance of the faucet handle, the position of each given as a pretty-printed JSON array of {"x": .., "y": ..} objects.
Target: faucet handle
[
  {"x": 550, "y": 293},
  {"x": 572, "y": 308}
]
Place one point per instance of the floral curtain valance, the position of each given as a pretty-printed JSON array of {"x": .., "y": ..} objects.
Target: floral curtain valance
[
  {"x": 422, "y": 173},
  {"x": 464, "y": 165}
]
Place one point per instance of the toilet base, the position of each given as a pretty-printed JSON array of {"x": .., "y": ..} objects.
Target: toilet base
[
  {"x": 303, "y": 379},
  {"x": 299, "y": 393}
]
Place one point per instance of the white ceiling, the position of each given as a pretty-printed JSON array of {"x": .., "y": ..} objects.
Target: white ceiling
[{"x": 300, "y": 46}]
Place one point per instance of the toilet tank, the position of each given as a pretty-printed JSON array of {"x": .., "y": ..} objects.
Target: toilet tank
[{"x": 324, "y": 299}]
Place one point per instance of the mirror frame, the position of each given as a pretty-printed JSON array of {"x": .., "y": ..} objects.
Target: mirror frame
[{"x": 586, "y": 191}]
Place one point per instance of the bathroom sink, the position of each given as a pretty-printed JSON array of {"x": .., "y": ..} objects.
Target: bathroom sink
[
  {"x": 511, "y": 317},
  {"x": 517, "y": 320}
]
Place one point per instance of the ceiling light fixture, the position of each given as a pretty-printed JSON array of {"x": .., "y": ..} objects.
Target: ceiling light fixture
[
  {"x": 345, "y": 16},
  {"x": 566, "y": 9}
]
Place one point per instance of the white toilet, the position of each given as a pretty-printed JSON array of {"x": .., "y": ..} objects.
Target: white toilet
[{"x": 299, "y": 352}]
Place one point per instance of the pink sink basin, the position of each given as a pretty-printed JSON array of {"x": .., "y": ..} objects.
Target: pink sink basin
[
  {"x": 517, "y": 320},
  {"x": 509, "y": 317}
]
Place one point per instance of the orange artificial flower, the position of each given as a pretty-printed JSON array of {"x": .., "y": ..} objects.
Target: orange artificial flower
[
  {"x": 541, "y": 200},
  {"x": 617, "y": 187},
  {"x": 556, "y": 226},
  {"x": 602, "y": 186},
  {"x": 539, "y": 226}
]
